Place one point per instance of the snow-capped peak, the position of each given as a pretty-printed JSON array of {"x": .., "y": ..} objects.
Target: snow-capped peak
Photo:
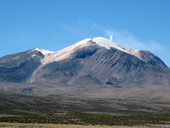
[
  {"x": 103, "y": 42},
  {"x": 68, "y": 51},
  {"x": 43, "y": 51}
]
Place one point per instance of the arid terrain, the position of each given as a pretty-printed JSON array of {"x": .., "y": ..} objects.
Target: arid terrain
[
  {"x": 19, "y": 125},
  {"x": 93, "y": 83}
]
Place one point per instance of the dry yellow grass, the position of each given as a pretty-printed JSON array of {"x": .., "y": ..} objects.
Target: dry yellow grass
[{"x": 22, "y": 125}]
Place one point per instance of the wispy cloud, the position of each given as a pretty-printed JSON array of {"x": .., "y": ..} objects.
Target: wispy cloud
[
  {"x": 127, "y": 40},
  {"x": 88, "y": 29}
]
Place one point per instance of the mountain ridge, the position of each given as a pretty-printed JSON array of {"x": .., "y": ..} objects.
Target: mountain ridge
[{"x": 93, "y": 61}]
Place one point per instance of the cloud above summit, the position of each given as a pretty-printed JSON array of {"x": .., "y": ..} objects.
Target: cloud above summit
[{"x": 123, "y": 38}]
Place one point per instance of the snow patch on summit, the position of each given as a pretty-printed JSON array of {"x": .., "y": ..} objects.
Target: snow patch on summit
[
  {"x": 103, "y": 42},
  {"x": 43, "y": 51},
  {"x": 108, "y": 44},
  {"x": 68, "y": 51}
]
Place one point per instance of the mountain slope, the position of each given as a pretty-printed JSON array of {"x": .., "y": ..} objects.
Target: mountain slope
[
  {"x": 19, "y": 67},
  {"x": 100, "y": 61},
  {"x": 96, "y": 61}
]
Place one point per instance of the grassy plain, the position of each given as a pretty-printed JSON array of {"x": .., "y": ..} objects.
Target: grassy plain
[
  {"x": 23, "y": 125},
  {"x": 32, "y": 112}
]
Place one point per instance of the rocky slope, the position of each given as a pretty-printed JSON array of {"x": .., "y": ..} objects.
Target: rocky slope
[
  {"x": 102, "y": 62},
  {"x": 96, "y": 61}
]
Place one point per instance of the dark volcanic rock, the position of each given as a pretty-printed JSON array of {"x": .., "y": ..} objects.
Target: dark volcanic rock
[
  {"x": 19, "y": 67},
  {"x": 95, "y": 61}
]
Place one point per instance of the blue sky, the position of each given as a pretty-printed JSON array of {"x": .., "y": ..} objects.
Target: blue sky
[{"x": 55, "y": 24}]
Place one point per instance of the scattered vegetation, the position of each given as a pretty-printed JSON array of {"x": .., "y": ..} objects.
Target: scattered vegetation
[
  {"x": 88, "y": 119},
  {"x": 22, "y": 125},
  {"x": 25, "y": 109}
]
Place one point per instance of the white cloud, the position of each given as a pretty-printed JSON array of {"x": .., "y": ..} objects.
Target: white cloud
[
  {"x": 127, "y": 40},
  {"x": 124, "y": 38}
]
